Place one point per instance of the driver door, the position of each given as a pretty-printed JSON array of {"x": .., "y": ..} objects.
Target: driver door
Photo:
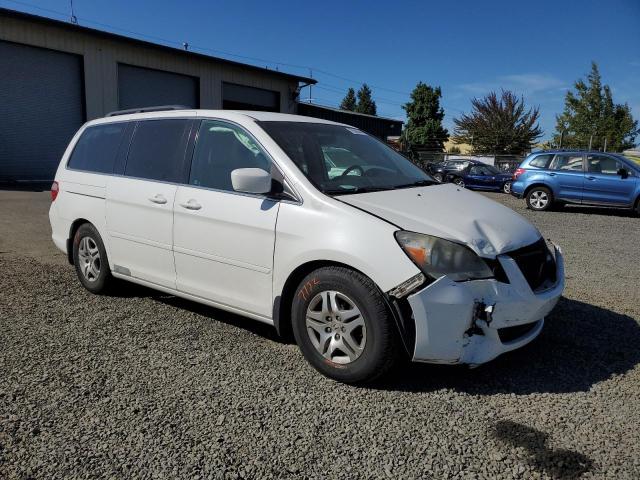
[{"x": 223, "y": 240}]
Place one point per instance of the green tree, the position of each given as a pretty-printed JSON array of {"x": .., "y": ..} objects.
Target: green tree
[
  {"x": 424, "y": 118},
  {"x": 590, "y": 111},
  {"x": 349, "y": 100},
  {"x": 500, "y": 125},
  {"x": 365, "y": 102}
]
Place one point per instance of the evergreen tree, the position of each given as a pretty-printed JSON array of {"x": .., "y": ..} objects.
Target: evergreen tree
[
  {"x": 498, "y": 125},
  {"x": 349, "y": 101},
  {"x": 590, "y": 111},
  {"x": 424, "y": 118},
  {"x": 365, "y": 102}
]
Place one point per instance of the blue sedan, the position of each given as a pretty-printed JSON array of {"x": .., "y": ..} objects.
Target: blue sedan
[{"x": 480, "y": 176}]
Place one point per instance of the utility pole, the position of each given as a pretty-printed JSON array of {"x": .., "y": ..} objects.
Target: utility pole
[
  {"x": 590, "y": 141},
  {"x": 605, "y": 144},
  {"x": 561, "y": 138}
]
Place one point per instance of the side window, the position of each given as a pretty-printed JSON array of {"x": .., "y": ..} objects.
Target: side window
[
  {"x": 541, "y": 161},
  {"x": 568, "y": 162},
  {"x": 477, "y": 170},
  {"x": 221, "y": 148},
  {"x": 97, "y": 148},
  {"x": 603, "y": 164},
  {"x": 158, "y": 149}
]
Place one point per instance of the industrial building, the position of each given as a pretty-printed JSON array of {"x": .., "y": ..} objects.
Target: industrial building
[{"x": 55, "y": 75}]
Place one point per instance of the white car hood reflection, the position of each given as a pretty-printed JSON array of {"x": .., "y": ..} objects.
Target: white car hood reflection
[{"x": 450, "y": 212}]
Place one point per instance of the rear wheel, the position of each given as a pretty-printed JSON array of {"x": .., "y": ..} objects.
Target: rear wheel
[
  {"x": 438, "y": 177},
  {"x": 539, "y": 198},
  {"x": 343, "y": 327},
  {"x": 506, "y": 188},
  {"x": 90, "y": 259}
]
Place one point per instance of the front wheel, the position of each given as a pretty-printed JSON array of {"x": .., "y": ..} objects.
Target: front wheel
[
  {"x": 539, "y": 198},
  {"x": 438, "y": 177},
  {"x": 459, "y": 182},
  {"x": 343, "y": 327}
]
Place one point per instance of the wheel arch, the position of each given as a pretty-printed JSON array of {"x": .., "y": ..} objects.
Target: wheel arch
[
  {"x": 534, "y": 185},
  {"x": 72, "y": 232}
]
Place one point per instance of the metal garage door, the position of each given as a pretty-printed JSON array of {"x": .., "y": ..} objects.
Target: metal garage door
[
  {"x": 241, "y": 97},
  {"x": 145, "y": 87},
  {"x": 41, "y": 107}
]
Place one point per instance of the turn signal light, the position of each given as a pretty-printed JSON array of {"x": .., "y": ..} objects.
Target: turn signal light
[{"x": 54, "y": 191}]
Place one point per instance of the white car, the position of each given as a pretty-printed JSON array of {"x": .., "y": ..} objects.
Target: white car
[{"x": 238, "y": 210}]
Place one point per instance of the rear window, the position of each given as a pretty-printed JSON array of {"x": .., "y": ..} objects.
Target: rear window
[
  {"x": 541, "y": 161},
  {"x": 158, "y": 149},
  {"x": 97, "y": 148}
]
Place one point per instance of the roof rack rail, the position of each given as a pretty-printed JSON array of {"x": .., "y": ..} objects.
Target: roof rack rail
[{"x": 160, "y": 108}]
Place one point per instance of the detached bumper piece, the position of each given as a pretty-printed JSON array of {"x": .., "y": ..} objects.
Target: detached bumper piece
[{"x": 475, "y": 321}]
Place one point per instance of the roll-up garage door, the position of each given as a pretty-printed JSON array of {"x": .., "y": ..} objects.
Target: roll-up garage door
[
  {"x": 145, "y": 87},
  {"x": 241, "y": 97},
  {"x": 41, "y": 107}
]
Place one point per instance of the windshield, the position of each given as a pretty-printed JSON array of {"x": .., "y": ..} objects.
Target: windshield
[{"x": 341, "y": 160}]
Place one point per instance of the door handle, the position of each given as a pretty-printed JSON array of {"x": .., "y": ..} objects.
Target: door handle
[
  {"x": 191, "y": 205},
  {"x": 591, "y": 178},
  {"x": 552, "y": 174},
  {"x": 159, "y": 199}
]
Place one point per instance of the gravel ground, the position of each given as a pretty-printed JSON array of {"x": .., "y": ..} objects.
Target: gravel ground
[{"x": 147, "y": 385}]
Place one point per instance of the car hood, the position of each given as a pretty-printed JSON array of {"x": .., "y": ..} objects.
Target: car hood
[{"x": 450, "y": 212}]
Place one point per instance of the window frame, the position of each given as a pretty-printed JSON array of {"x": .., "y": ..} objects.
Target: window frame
[
  {"x": 547, "y": 164},
  {"x": 611, "y": 157},
  {"x": 568, "y": 154},
  {"x": 121, "y": 151},
  {"x": 188, "y": 144},
  {"x": 276, "y": 172}
]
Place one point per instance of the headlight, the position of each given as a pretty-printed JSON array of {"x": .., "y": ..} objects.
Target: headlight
[{"x": 437, "y": 257}]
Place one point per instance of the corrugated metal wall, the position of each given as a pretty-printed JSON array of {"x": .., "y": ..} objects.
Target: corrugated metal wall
[
  {"x": 41, "y": 107},
  {"x": 100, "y": 55}
]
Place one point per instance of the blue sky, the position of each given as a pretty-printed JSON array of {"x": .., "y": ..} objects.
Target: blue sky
[{"x": 536, "y": 48}]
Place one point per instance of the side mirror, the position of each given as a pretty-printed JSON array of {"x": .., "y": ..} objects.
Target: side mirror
[
  {"x": 623, "y": 173},
  {"x": 251, "y": 180}
]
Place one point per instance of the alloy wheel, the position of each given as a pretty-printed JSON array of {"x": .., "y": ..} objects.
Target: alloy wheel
[
  {"x": 89, "y": 259},
  {"x": 459, "y": 182},
  {"x": 507, "y": 187},
  {"x": 539, "y": 199},
  {"x": 336, "y": 327}
]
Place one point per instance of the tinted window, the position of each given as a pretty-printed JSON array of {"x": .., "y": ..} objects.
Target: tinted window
[
  {"x": 541, "y": 161},
  {"x": 603, "y": 164},
  {"x": 157, "y": 150},
  {"x": 221, "y": 148},
  {"x": 567, "y": 162},
  {"x": 97, "y": 148}
]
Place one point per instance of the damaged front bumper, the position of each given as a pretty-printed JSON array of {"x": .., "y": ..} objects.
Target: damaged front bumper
[{"x": 475, "y": 321}]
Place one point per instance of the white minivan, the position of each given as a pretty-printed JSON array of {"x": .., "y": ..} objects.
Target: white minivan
[{"x": 259, "y": 214}]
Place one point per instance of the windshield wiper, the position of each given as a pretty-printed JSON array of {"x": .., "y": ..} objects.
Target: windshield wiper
[
  {"x": 340, "y": 191},
  {"x": 417, "y": 183}
]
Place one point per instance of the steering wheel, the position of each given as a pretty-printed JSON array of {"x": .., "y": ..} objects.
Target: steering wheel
[{"x": 351, "y": 169}]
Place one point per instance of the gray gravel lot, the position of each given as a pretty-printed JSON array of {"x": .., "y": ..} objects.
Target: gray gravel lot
[{"x": 146, "y": 385}]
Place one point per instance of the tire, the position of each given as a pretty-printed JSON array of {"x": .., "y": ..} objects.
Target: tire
[
  {"x": 459, "y": 182},
  {"x": 539, "y": 199},
  {"x": 90, "y": 260},
  {"x": 373, "y": 346},
  {"x": 637, "y": 209},
  {"x": 438, "y": 177},
  {"x": 506, "y": 188}
]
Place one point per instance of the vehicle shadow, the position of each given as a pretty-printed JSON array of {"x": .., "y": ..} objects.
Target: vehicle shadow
[
  {"x": 587, "y": 210},
  {"x": 557, "y": 463},
  {"x": 580, "y": 346},
  {"x": 132, "y": 290}
]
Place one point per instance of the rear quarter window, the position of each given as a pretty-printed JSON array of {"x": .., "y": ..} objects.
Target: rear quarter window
[
  {"x": 541, "y": 161},
  {"x": 97, "y": 148}
]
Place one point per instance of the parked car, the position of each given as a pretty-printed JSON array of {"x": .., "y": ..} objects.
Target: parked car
[
  {"x": 439, "y": 170},
  {"x": 480, "y": 176},
  {"x": 550, "y": 178},
  {"x": 241, "y": 211}
]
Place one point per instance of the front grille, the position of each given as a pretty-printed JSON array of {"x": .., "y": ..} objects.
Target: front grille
[
  {"x": 536, "y": 264},
  {"x": 508, "y": 334}
]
